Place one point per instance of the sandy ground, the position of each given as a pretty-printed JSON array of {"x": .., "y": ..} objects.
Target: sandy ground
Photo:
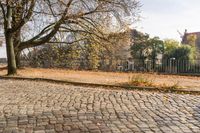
[{"x": 187, "y": 82}]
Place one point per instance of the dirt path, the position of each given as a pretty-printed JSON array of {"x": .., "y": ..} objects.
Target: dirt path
[{"x": 187, "y": 82}]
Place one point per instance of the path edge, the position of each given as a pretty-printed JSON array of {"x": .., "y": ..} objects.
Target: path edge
[{"x": 110, "y": 86}]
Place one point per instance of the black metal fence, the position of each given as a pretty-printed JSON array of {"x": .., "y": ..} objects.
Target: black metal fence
[
  {"x": 170, "y": 66},
  {"x": 3, "y": 61}
]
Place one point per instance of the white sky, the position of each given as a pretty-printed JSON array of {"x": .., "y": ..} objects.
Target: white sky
[
  {"x": 3, "y": 52},
  {"x": 164, "y": 17}
]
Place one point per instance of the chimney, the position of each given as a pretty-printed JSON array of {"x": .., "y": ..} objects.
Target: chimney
[{"x": 185, "y": 31}]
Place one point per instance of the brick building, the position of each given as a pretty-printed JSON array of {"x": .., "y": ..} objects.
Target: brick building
[
  {"x": 186, "y": 36},
  {"x": 197, "y": 42}
]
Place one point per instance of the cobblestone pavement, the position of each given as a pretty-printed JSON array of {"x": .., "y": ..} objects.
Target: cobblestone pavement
[{"x": 41, "y": 107}]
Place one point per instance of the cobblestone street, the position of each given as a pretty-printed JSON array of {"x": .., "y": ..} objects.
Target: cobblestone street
[{"x": 42, "y": 107}]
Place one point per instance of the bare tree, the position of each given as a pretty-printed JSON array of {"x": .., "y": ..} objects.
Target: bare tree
[{"x": 47, "y": 18}]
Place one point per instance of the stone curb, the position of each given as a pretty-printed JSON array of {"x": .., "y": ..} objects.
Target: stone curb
[{"x": 154, "y": 89}]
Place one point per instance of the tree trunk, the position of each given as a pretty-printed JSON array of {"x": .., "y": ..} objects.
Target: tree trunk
[
  {"x": 16, "y": 43},
  {"x": 12, "y": 69},
  {"x": 17, "y": 58},
  {"x": 17, "y": 13}
]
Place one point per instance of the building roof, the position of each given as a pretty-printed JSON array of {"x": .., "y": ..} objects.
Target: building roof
[{"x": 191, "y": 33}]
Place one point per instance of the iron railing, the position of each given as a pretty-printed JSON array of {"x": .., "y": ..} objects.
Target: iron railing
[{"x": 170, "y": 66}]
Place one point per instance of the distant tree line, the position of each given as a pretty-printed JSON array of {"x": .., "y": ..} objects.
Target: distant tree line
[
  {"x": 101, "y": 54},
  {"x": 108, "y": 53},
  {"x": 145, "y": 49}
]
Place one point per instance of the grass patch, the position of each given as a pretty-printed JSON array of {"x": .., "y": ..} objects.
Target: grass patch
[
  {"x": 175, "y": 86},
  {"x": 140, "y": 80}
]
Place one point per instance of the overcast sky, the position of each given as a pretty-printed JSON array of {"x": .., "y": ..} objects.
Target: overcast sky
[
  {"x": 164, "y": 17},
  {"x": 3, "y": 52}
]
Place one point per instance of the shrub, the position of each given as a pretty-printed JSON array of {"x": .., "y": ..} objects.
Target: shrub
[{"x": 140, "y": 80}]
